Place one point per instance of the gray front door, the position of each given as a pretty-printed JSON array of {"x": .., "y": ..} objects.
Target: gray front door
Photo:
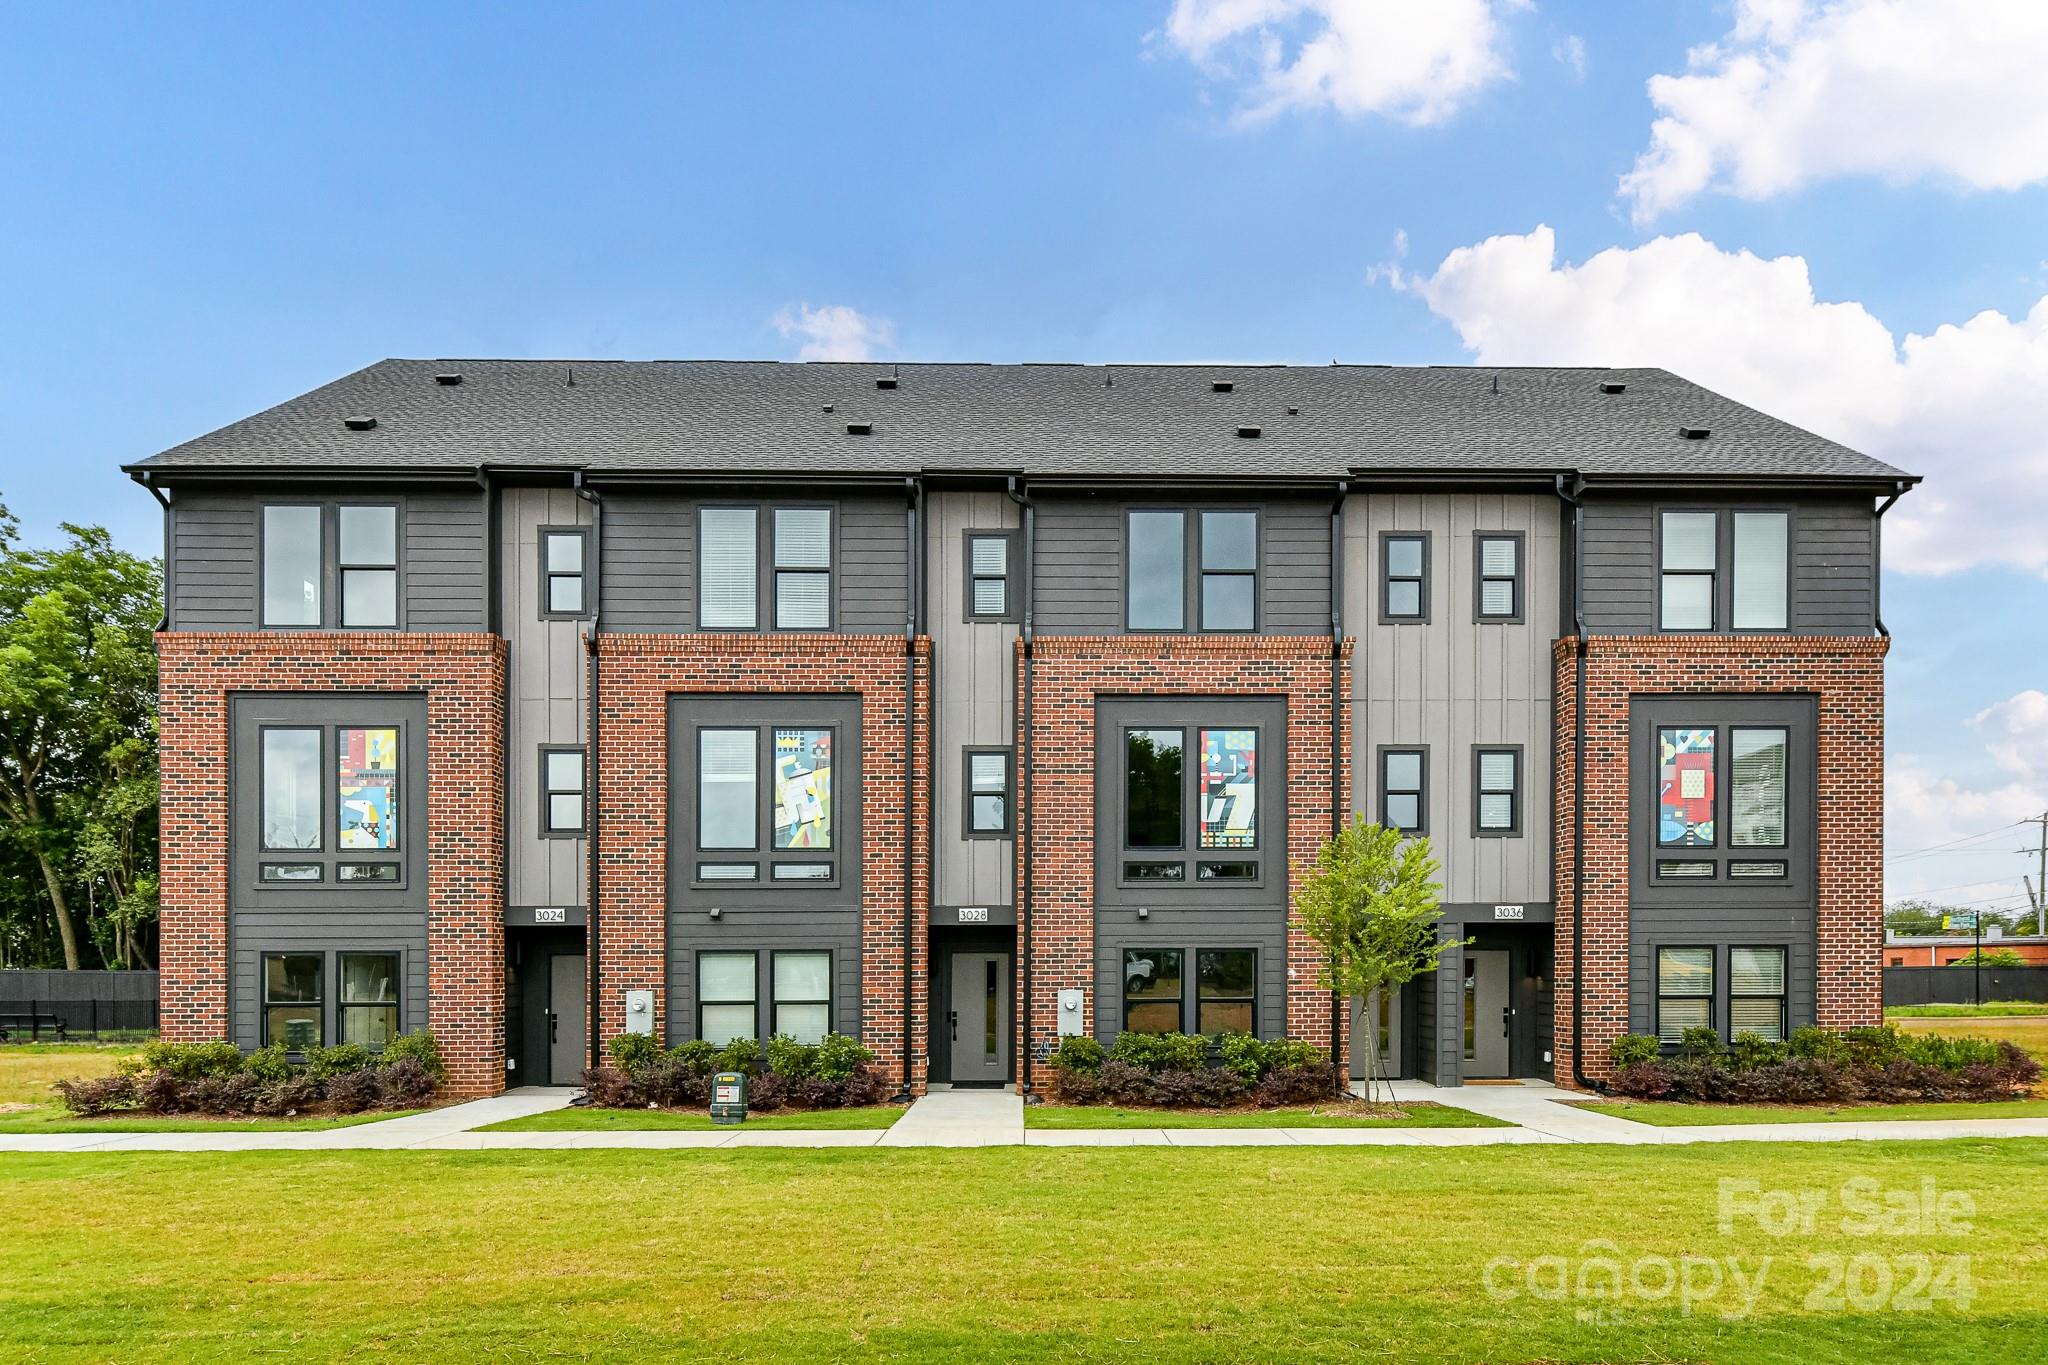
[
  {"x": 1486, "y": 1013},
  {"x": 568, "y": 1051},
  {"x": 979, "y": 1021}
]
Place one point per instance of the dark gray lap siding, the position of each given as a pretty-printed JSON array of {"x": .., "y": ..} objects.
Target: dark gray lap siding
[
  {"x": 257, "y": 933},
  {"x": 763, "y": 931},
  {"x": 1259, "y": 927}
]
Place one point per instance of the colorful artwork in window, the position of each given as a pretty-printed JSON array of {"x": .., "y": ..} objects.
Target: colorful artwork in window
[
  {"x": 803, "y": 789},
  {"x": 368, "y": 780},
  {"x": 1230, "y": 788},
  {"x": 1685, "y": 788}
]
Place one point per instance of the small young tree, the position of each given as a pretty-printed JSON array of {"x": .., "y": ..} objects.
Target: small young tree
[{"x": 1371, "y": 902}]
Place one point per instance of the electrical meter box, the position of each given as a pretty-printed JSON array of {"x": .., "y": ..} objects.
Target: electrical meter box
[
  {"x": 1071, "y": 1022},
  {"x": 640, "y": 1012},
  {"x": 729, "y": 1097}
]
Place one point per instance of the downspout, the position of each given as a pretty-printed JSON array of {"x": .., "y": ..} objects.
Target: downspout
[
  {"x": 1877, "y": 586},
  {"x": 494, "y": 621},
  {"x": 593, "y": 804},
  {"x": 141, "y": 476},
  {"x": 914, "y": 586},
  {"x": 1571, "y": 491},
  {"x": 1338, "y": 702},
  {"x": 1021, "y": 495}
]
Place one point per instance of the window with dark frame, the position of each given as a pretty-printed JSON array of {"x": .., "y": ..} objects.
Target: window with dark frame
[
  {"x": 292, "y": 565},
  {"x": 1404, "y": 577},
  {"x": 359, "y": 831},
  {"x": 801, "y": 1003},
  {"x": 1499, "y": 577},
  {"x": 795, "y": 804},
  {"x": 562, "y": 782},
  {"x": 366, "y": 561},
  {"x": 1156, "y": 572},
  {"x": 562, "y": 565},
  {"x": 1756, "y": 992},
  {"x": 1152, "y": 990},
  {"x": 1497, "y": 795},
  {"x": 1687, "y": 566},
  {"x": 1223, "y": 546},
  {"x": 1759, "y": 568},
  {"x": 1226, "y": 991},
  {"x": 728, "y": 988},
  {"x": 1230, "y": 564},
  {"x": 728, "y": 569},
  {"x": 1404, "y": 777},
  {"x": 988, "y": 575},
  {"x": 293, "y": 1002},
  {"x": 987, "y": 793},
  {"x": 1685, "y": 991},
  {"x": 803, "y": 568},
  {"x": 369, "y": 999},
  {"x": 1708, "y": 773}
]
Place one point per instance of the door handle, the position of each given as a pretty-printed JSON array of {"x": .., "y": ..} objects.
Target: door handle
[
  {"x": 1505, "y": 1016},
  {"x": 554, "y": 1028},
  {"x": 953, "y": 1022}
]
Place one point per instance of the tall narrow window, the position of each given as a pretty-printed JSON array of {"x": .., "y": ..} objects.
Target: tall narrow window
[
  {"x": 1686, "y": 590},
  {"x": 291, "y": 789},
  {"x": 291, "y": 566},
  {"x": 1498, "y": 782},
  {"x": 1230, "y": 789},
  {"x": 803, "y": 995},
  {"x": 1762, "y": 561},
  {"x": 1157, "y": 585},
  {"x": 366, "y": 778},
  {"x": 1402, "y": 792},
  {"x": 562, "y": 567},
  {"x": 1685, "y": 991},
  {"x": 728, "y": 572},
  {"x": 1756, "y": 792},
  {"x": 803, "y": 789},
  {"x": 1756, "y": 992},
  {"x": 1499, "y": 577},
  {"x": 727, "y": 992},
  {"x": 1230, "y": 581},
  {"x": 727, "y": 785},
  {"x": 1226, "y": 990},
  {"x": 988, "y": 793},
  {"x": 1404, "y": 577},
  {"x": 561, "y": 772},
  {"x": 292, "y": 1004},
  {"x": 1152, "y": 990},
  {"x": 368, "y": 566},
  {"x": 1685, "y": 787},
  {"x": 988, "y": 576},
  {"x": 369, "y": 999},
  {"x": 803, "y": 568},
  {"x": 1152, "y": 788}
]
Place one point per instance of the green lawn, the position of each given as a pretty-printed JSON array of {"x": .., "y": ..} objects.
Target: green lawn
[
  {"x": 2030, "y": 1031},
  {"x": 1313, "y": 1255},
  {"x": 27, "y": 1070},
  {"x": 1989, "y": 1007},
  {"x": 1105, "y": 1116},
  {"x": 642, "y": 1120},
  {"x": 52, "y": 1118},
  {"x": 1672, "y": 1115}
]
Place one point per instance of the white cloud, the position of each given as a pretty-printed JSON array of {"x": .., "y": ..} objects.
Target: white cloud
[
  {"x": 1899, "y": 89},
  {"x": 2016, "y": 731},
  {"x": 834, "y": 332},
  {"x": 1962, "y": 405},
  {"x": 1570, "y": 53},
  {"x": 1923, "y": 811},
  {"x": 1417, "y": 61}
]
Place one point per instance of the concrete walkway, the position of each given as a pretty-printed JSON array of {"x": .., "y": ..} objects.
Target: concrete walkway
[{"x": 995, "y": 1118}]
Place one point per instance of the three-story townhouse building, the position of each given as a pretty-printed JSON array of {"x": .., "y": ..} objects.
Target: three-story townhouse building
[{"x": 963, "y": 707}]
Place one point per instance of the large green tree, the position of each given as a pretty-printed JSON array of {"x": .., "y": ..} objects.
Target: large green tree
[{"x": 78, "y": 766}]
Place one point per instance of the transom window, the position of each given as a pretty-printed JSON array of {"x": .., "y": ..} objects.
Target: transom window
[
  {"x": 563, "y": 555},
  {"x": 1221, "y": 997},
  {"x": 1209, "y": 807},
  {"x": 797, "y": 574},
  {"x": 1221, "y": 544},
  {"x": 989, "y": 569},
  {"x": 1497, "y": 791},
  {"x": 1757, "y": 559},
  {"x": 793, "y": 805},
  {"x": 1499, "y": 576},
  {"x": 1404, "y": 790},
  {"x": 561, "y": 798},
  {"x": 1685, "y": 991},
  {"x": 363, "y": 539},
  {"x": 330, "y": 797}
]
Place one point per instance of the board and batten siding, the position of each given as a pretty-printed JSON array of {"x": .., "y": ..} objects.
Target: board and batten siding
[
  {"x": 1080, "y": 563},
  {"x": 974, "y": 681},
  {"x": 1453, "y": 683},
  {"x": 548, "y": 685},
  {"x": 1833, "y": 583}
]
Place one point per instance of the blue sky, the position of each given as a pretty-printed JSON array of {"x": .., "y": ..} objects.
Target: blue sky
[{"x": 1837, "y": 212}]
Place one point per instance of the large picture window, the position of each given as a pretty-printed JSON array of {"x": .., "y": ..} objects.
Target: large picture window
[
  {"x": 728, "y": 572},
  {"x": 727, "y": 993},
  {"x": 1726, "y": 807},
  {"x": 1221, "y": 593},
  {"x": 1152, "y": 990},
  {"x": 291, "y": 788},
  {"x": 1156, "y": 586},
  {"x": 794, "y": 805},
  {"x": 351, "y": 547},
  {"x": 1221, "y": 996},
  {"x": 369, "y": 999},
  {"x": 1756, "y": 992},
  {"x": 1152, "y": 788},
  {"x": 1685, "y": 991},
  {"x": 1756, "y": 796},
  {"x": 292, "y": 567},
  {"x": 330, "y": 797},
  {"x": 1188, "y": 805},
  {"x": 293, "y": 1009},
  {"x": 1724, "y": 568}
]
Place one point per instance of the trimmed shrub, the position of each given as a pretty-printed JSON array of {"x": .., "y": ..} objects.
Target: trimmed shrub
[
  {"x": 295, "y": 1094},
  {"x": 161, "y": 1093},
  {"x": 1633, "y": 1049},
  {"x": 405, "y": 1083},
  {"x": 1869, "y": 1065},
  {"x": 698, "y": 1054},
  {"x": 100, "y": 1095},
  {"x": 741, "y": 1054},
  {"x": 324, "y": 1063},
  {"x": 1297, "y": 1084},
  {"x": 610, "y": 1088},
  {"x": 352, "y": 1092},
  {"x": 841, "y": 1058},
  {"x": 673, "y": 1083},
  {"x": 1753, "y": 1050},
  {"x": 1213, "y": 1087},
  {"x": 791, "y": 1060},
  {"x": 767, "y": 1091},
  {"x": 1291, "y": 1054},
  {"x": 223, "y": 1096},
  {"x": 420, "y": 1046},
  {"x": 1242, "y": 1055},
  {"x": 1702, "y": 1041},
  {"x": 1077, "y": 1054},
  {"x": 192, "y": 1061},
  {"x": 268, "y": 1064},
  {"x": 1161, "y": 1051},
  {"x": 631, "y": 1052}
]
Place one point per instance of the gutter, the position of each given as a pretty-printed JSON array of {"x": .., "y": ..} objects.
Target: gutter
[
  {"x": 142, "y": 476},
  {"x": 1021, "y": 495},
  {"x": 592, "y": 804},
  {"x": 912, "y": 600},
  {"x": 1877, "y": 588},
  {"x": 1337, "y": 704},
  {"x": 1571, "y": 490}
]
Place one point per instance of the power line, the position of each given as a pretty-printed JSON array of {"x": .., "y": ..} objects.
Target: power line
[{"x": 1936, "y": 848}]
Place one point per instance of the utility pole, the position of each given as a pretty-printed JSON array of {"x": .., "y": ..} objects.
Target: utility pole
[{"x": 2037, "y": 890}]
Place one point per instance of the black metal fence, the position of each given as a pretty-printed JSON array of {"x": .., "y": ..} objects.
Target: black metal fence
[
  {"x": 42, "y": 1006},
  {"x": 1964, "y": 985}
]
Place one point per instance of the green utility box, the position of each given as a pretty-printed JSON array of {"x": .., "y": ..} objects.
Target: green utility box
[{"x": 729, "y": 1097}]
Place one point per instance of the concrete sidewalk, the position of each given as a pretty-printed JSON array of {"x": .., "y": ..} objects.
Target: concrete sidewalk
[{"x": 960, "y": 1118}]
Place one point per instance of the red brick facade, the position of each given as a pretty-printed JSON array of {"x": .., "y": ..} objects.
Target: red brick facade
[
  {"x": 462, "y": 677},
  {"x": 1068, "y": 673},
  {"x": 1846, "y": 675},
  {"x": 636, "y": 676}
]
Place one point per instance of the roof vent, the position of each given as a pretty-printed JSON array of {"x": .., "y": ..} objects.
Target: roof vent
[
  {"x": 859, "y": 428},
  {"x": 1693, "y": 433},
  {"x": 1222, "y": 386},
  {"x": 828, "y": 407},
  {"x": 360, "y": 423},
  {"x": 885, "y": 383},
  {"x": 447, "y": 381},
  {"x": 1613, "y": 386},
  {"x": 1249, "y": 433},
  {"x": 1294, "y": 412}
]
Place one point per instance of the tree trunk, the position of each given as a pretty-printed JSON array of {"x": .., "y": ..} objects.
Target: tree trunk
[{"x": 60, "y": 912}]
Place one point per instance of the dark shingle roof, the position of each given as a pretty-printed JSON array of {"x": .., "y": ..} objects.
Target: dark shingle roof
[{"x": 1106, "y": 420}]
